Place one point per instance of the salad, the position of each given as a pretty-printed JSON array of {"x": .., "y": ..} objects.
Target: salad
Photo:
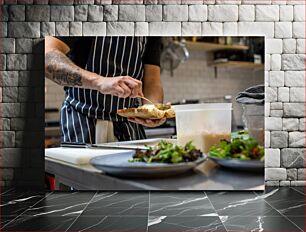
[
  {"x": 166, "y": 152},
  {"x": 239, "y": 148}
]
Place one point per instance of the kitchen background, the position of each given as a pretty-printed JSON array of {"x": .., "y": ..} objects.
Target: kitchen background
[{"x": 193, "y": 79}]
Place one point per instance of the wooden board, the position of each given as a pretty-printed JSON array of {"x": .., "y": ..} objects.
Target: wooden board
[
  {"x": 211, "y": 47},
  {"x": 236, "y": 64}
]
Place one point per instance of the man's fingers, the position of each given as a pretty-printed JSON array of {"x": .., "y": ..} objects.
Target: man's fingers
[
  {"x": 162, "y": 121},
  {"x": 132, "y": 79},
  {"x": 132, "y": 92},
  {"x": 127, "y": 90},
  {"x": 131, "y": 82},
  {"x": 133, "y": 120},
  {"x": 140, "y": 120},
  {"x": 156, "y": 121},
  {"x": 148, "y": 122},
  {"x": 123, "y": 86},
  {"x": 145, "y": 122},
  {"x": 134, "y": 85},
  {"x": 136, "y": 93},
  {"x": 119, "y": 91}
]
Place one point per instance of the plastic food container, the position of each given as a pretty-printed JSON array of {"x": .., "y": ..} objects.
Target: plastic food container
[
  {"x": 253, "y": 118},
  {"x": 203, "y": 124}
]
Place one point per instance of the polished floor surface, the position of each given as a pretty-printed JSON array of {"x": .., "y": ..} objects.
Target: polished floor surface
[{"x": 275, "y": 210}]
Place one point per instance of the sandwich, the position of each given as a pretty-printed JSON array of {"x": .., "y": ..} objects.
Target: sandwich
[{"x": 148, "y": 111}]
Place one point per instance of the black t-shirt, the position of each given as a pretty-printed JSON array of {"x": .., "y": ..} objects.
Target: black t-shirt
[
  {"x": 80, "y": 48},
  {"x": 109, "y": 57}
]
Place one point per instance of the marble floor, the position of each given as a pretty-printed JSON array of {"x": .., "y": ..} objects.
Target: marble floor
[{"x": 275, "y": 210}]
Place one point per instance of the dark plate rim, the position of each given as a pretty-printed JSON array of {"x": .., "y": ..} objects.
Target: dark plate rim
[
  {"x": 149, "y": 167},
  {"x": 237, "y": 160},
  {"x": 239, "y": 164}
]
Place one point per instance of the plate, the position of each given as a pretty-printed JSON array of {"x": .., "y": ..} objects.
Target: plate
[
  {"x": 251, "y": 165},
  {"x": 245, "y": 165},
  {"x": 118, "y": 165}
]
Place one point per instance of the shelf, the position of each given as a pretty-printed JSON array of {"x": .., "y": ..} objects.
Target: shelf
[
  {"x": 211, "y": 47},
  {"x": 237, "y": 64}
]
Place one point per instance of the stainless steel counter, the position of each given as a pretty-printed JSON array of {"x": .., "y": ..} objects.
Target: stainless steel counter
[{"x": 207, "y": 176}]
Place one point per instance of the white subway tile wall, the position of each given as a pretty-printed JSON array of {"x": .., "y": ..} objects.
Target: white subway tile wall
[
  {"x": 281, "y": 21},
  {"x": 194, "y": 79}
]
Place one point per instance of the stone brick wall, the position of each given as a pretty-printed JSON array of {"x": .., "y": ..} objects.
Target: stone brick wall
[{"x": 25, "y": 22}]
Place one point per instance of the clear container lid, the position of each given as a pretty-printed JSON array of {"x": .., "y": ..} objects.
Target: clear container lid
[{"x": 203, "y": 106}]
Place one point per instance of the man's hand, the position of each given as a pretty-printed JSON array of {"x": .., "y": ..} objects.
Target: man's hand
[
  {"x": 122, "y": 86},
  {"x": 148, "y": 122}
]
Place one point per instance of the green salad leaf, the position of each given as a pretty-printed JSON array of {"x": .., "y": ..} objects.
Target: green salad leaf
[
  {"x": 166, "y": 152},
  {"x": 239, "y": 148}
]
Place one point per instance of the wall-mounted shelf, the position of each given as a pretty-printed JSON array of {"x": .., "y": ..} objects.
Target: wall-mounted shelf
[
  {"x": 212, "y": 47},
  {"x": 237, "y": 64}
]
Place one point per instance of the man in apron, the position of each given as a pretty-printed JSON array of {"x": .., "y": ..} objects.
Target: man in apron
[{"x": 101, "y": 75}]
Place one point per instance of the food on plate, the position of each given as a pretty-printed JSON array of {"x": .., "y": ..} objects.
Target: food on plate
[
  {"x": 148, "y": 111},
  {"x": 203, "y": 140},
  {"x": 210, "y": 139},
  {"x": 166, "y": 152},
  {"x": 242, "y": 149}
]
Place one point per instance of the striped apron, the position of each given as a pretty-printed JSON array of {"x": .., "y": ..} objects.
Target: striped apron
[{"x": 108, "y": 57}]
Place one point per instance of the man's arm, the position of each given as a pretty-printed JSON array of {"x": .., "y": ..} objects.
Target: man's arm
[
  {"x": 60, "y": 69},
  {"x": 152, "y": 87}
]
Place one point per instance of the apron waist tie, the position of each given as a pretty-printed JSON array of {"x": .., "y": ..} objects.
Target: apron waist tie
[{"x": 105, "y": 131}]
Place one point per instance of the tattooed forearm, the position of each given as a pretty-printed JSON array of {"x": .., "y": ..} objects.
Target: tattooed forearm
[{"x": 60, "y": 69}]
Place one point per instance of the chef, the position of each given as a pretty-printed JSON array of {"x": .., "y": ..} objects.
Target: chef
[{"x": 101, "y": 75}]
